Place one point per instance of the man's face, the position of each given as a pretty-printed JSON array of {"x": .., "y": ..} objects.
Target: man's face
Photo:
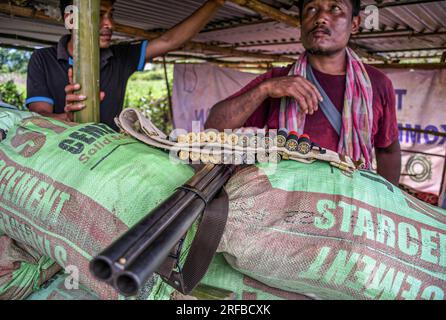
[
  {"x": 327, "y": 25},
  {"x": 107, "y": 24}
]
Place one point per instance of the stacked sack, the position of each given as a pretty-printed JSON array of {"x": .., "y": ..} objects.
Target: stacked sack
[
  {"x": 70, "y": 190},
  {"x": 22, "y": 269},
  {"x": 312, "y": 229}
]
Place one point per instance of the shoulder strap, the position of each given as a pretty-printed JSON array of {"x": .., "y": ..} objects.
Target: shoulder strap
[
  {"x": 203, "y": 247},
  {"x": 330, "y": 111}
]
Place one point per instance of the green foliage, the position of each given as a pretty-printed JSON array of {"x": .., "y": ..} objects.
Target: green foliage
[
  {"x": 9, "y": 93},
  {"x": 157, "y": 109},
  {"x": 12, "y": 60},
  {"x": 147, "y": 92}
]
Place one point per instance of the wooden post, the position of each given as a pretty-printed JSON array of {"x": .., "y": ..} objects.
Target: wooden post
[{"x": 86, "y": 59}]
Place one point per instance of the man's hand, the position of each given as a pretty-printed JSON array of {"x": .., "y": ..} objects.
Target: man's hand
[
  {"x": 73, "y": 102},
  {"x": 297, "y": 87}
]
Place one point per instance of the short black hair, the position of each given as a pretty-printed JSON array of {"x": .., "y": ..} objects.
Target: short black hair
[
  {"x": 65, "y": 3},
  {"x": 355, "y": 3}
]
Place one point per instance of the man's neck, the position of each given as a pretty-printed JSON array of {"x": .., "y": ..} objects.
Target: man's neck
[{"x": 335, "y": 64}]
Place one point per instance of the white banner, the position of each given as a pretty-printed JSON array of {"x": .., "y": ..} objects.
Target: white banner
[
  {"x": 421, "y": 104},
  {"x": 197, "y": 87}
]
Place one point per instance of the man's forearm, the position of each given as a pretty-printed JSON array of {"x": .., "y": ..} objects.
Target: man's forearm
[
  {"x": 45, "y": 110},
  {"x": 389, "y": 162},
  {"x": 233, "y": 113}
]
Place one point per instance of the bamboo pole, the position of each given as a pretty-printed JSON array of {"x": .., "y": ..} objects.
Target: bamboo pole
[
  {"x": 86, "y": 59},
  {"x": 268, "y": 11}
]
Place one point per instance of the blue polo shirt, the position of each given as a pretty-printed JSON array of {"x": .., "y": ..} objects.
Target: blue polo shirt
[{"x": 48, "y": 75}]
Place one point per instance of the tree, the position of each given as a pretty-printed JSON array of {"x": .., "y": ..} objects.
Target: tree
[
  {"x": 11, "y": 95},
  {"x": 12, "y": 60}
]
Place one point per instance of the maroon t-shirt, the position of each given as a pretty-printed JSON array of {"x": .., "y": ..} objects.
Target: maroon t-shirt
[{"x": 317, "y": 126}]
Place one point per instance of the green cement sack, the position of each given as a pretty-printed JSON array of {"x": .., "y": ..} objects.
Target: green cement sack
[
  {"x": 56, "y": 289},
  {"x": 70, "y": 190},
  {"x": 22, "y": 269},
  {"x": 222, "y": 276},
  {"x": 9, "y": 118},
  {"x": 311, "y": 229}
]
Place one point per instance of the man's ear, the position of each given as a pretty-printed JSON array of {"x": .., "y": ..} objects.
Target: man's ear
[{"x": 356, "y": 23}]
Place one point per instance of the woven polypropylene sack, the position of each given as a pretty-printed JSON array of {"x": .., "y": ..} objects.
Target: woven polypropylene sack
[
  {"x": 22, "y": 269},
  {"x": 10, "y": 118},
  {"x": 70, "y": 190},
  {"x": 60, "y": 287},
  {"x": 222, "y": 276},
  {"x": 312, "y": 229}
]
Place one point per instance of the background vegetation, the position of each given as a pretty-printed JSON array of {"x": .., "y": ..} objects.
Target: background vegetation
[{"x": 146, "y": 90}]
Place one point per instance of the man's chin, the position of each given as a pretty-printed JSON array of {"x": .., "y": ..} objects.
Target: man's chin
[
  {"x": 104, "y": 45},
  {"x": 320, "y": 51}
]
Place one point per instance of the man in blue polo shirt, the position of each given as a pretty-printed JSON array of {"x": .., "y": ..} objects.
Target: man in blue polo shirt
[{"x": 50, "y": 91}]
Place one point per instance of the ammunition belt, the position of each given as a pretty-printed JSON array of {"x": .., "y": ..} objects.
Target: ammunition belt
[{"x": 241, "y": 147}]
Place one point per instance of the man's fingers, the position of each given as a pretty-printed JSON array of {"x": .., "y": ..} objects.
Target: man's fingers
[
  {"x": 315, "y": 91},
  {"x": 302, "y": 103},
  {"x": 310, "y": 96},
  {"x": 102, "y": 95},
  {"x": 75, "y": 98},
  {"x": 72, "y": 87},
  {"x": 74, "y": 107},
  {"x": 310, "y": 86},
  {"x": 308, "y": 105}
]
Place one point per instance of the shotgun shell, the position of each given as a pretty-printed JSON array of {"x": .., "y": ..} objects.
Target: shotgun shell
[
  {"x": 250, "y": 158},
  {"x": 222, "y": 138},
  {"x": 182, "y": 138},
  {"x": 267, "y": 142},
  {"x": 215, "y": 158},
  {"x": 205, "y": 157},
  {"x": 254, "y": 141},
  {"x": 211, "y": 136},
  {"x": 263, "y": 157},
  {"x": 227, "y": 158},
  {"x": 304, "y": 144},
  {"x": 292, "y": 141},
  {"x": 202, "y": 137},
  {"x": 237, "y": 158},
  {"x": 183, "y": 155},
  {"x": 243, "y": 141},
  {"x": 191, "y": 137},
  {"x": 195, "y": 156},
  {"x": 275, "y": 157},
  {"x": 233, "y": 139},
  {"x": 281, "y": 137}
]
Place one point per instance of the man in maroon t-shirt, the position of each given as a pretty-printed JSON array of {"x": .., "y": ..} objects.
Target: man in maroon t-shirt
[{"x": 326, "y": 29}]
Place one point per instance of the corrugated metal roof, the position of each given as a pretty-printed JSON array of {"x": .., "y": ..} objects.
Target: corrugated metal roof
[{"x": 240, "y": 28}]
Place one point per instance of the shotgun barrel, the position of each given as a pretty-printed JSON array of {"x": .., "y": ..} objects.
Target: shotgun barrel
[{"x": 137, "y": 254}]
